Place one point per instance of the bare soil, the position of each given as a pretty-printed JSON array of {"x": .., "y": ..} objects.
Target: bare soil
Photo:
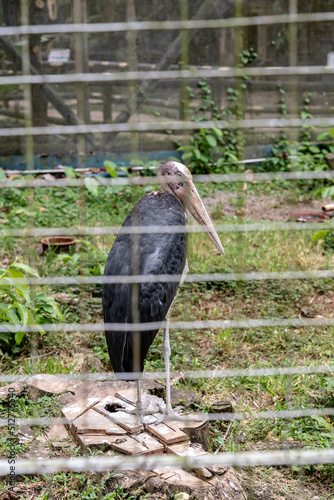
[{"x": 261, "y": 206}]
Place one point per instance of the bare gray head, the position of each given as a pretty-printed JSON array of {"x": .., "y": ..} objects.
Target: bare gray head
[{"x": 177, "y": 180}]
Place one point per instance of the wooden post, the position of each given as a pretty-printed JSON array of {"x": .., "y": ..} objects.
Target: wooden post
[
  {"x": 38, "y": 15},
  {"x": 262, "y": 42},
  {"x": 81, "y": 66},
  {"x": 107, "y": 102}
]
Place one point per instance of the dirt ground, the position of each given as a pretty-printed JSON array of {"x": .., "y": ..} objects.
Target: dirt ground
[{"x": 263, "y": 207}]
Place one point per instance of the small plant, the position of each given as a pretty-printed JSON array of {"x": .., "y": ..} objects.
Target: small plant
[
  {"x": 325, "y": 238},
  {"x": 248, "y": 56},
  {"x": 211, "y": 150},
  {"x": 20, "y": 307}
]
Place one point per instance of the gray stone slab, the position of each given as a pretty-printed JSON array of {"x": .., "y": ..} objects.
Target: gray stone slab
[{"x": 49, "y": 384}]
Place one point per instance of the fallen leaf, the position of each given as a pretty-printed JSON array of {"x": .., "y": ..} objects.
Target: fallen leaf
[{"x": 42, "y": 209}]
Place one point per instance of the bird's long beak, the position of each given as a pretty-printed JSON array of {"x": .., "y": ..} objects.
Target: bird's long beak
[{"x": 191, "y": 200}]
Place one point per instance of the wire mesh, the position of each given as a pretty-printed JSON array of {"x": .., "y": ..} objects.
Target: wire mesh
[{"x": 88, "y": 134}]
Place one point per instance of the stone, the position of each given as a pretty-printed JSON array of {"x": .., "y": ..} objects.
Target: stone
[
  {"x": 15, "y": 389},
  {"x": 37, "y": 451},
  {"x": 25, "y": 434},
  {"x": 58, "y": 436},
  {"x": 48, "y": 384}
]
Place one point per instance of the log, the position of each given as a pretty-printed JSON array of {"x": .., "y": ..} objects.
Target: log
[{"x": 328, "y": 208}]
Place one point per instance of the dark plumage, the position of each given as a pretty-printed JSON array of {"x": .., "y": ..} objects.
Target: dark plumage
[{"x": 158, "y": 254}]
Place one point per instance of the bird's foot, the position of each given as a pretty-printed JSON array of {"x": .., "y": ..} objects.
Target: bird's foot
[
  {"x": 173, "y": 413},
  {"x": 149, "y": 405}
]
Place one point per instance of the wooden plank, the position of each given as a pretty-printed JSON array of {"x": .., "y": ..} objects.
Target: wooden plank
[
  {"x": 73, "y": 410},
  {"x": 92, "y": 422},
  {"x": 140, "y": 444},
  {"x": 169, "y": 434},
  {"x": 130, "y": 423},
  {"x": 95, "y": 441}
]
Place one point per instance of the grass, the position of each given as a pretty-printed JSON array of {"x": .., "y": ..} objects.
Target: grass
[{"x": 194, "y": 349}]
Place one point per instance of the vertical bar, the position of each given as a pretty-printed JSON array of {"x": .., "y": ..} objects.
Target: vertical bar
[
  {"x": 81, "y": 66},
  {"x": 239, "y": 80},
  {"x": 29, "y": 150},
  {"x": 135, "y": 238},
  {"x": 239, "y": 111},
  {"x": 132, "y": 62},
  {"x": 184, "y": 61},
  {"x": 29, "y": 144},
  {"x": 293, "y": 136}
]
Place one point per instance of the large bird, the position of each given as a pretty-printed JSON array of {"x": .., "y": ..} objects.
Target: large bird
[{"x": 150, "y": 253}]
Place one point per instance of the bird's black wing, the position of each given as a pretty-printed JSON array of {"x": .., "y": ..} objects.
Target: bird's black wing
[{"x": 160, "y": 253}]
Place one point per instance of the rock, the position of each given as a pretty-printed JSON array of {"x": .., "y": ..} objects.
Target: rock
[
  {"x": 14, "y": 389},
  {"x": 25, "y": 434},
  {"x": 221, "y": 407},
  {"x": 57, "y": 436},
  {"x": 44, "y": 384},
  {"x": 38, "y": 450}
]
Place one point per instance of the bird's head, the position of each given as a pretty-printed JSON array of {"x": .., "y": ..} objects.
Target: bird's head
[{"x": 177, "y": 180}]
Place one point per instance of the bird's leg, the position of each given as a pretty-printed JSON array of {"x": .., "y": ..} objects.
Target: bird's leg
[
  {"x": 166, "y": 350},
  {"x": 139, "y": 404}
]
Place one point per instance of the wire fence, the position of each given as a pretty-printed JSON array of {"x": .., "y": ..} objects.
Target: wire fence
[{"x": 28, "y": 79}]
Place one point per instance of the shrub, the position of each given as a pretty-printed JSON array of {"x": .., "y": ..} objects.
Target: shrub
[{"x": 19, "y": 305}]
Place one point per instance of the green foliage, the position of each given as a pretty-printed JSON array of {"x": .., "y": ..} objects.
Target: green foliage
[
  {"x": 248, "y": 56},
  {"x": 326, "y": 237},
  {"x": 111, "y": 168},
  {"x": 211, "y": 150},
  {"x": 19, "y": 306}
]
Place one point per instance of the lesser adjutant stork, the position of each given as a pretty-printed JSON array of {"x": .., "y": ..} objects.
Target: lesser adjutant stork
[{"x": 151, "y": 253}]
